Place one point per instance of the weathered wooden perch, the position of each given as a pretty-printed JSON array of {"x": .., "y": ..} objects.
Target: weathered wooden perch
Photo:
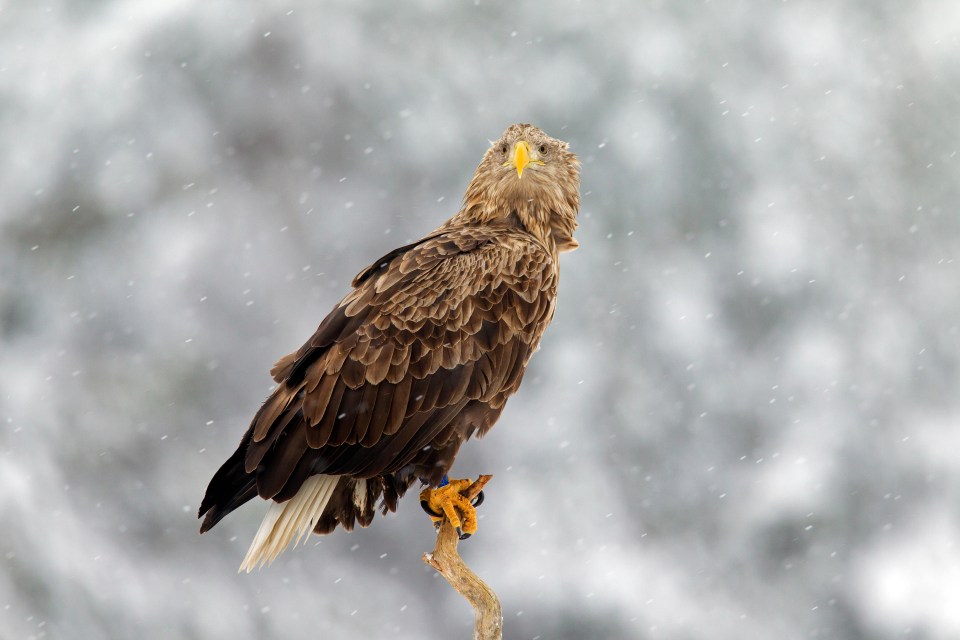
[{"x": 488, "y": 617}]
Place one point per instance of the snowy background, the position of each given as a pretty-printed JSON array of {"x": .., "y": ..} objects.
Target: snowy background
[{"x": 743, "y": 422}]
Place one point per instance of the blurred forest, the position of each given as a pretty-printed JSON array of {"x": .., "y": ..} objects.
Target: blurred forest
[{"x": 741, "y": 424}]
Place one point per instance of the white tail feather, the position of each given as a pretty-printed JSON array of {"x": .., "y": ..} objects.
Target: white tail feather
[
  {"x": 284, "y": 520},
  {"x": 360, "y": 495}
]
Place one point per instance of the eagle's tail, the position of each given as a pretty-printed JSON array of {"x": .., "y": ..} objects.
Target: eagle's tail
[{"x": 295, "y": 517}]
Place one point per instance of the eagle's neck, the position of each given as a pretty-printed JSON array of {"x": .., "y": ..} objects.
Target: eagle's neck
[
  {"x": 544, "y": 205},
  {"x": 533, "y": 215}
]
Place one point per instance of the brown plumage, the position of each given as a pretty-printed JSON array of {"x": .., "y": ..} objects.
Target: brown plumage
[{"x": 421, "y": 355}]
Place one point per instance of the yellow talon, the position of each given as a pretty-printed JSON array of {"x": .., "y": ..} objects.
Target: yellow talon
[{"x": 448, "y": 501}]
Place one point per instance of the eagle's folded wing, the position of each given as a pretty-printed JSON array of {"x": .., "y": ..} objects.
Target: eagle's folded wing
[{"x": 439, "y": 332}]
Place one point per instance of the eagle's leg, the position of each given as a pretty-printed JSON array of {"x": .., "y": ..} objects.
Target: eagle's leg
[{"x": 448, "y": 500}]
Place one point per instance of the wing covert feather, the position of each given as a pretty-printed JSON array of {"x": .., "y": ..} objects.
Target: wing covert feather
[{"x": 428, "y": 329}]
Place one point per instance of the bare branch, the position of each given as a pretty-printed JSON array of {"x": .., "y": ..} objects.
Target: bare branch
[{"x": 488, "y": 624}]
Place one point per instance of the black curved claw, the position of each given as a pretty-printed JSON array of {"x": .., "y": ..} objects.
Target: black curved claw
[
  {"x": 430, "y": 512},
  {"x": 461, "y": 534},
  {"x": 478, "y": 500}
]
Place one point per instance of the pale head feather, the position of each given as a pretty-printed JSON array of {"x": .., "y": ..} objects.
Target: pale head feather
[{"x": 545, "y": 199}]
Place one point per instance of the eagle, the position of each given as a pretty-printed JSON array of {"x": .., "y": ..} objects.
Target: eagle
[{"x": 420, "y": 355}]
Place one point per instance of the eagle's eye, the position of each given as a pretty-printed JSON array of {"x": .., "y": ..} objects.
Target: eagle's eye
[
  {"x": 542, "y": 149},
  {"x": 504, "y": 148}
]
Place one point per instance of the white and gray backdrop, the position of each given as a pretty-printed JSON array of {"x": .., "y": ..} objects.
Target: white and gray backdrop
[{"x": 743, "y": 422}]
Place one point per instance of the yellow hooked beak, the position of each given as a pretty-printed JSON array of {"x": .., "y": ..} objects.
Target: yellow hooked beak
[{"x": 521, "y": 157}]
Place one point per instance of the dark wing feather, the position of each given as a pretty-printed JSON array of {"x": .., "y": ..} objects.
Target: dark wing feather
[
  {"x": 230, "y": 488},
  {"x": 282, "y": 459}
]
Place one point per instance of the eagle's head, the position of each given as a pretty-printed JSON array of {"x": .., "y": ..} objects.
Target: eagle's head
[{"x": 528, "y": 174}]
